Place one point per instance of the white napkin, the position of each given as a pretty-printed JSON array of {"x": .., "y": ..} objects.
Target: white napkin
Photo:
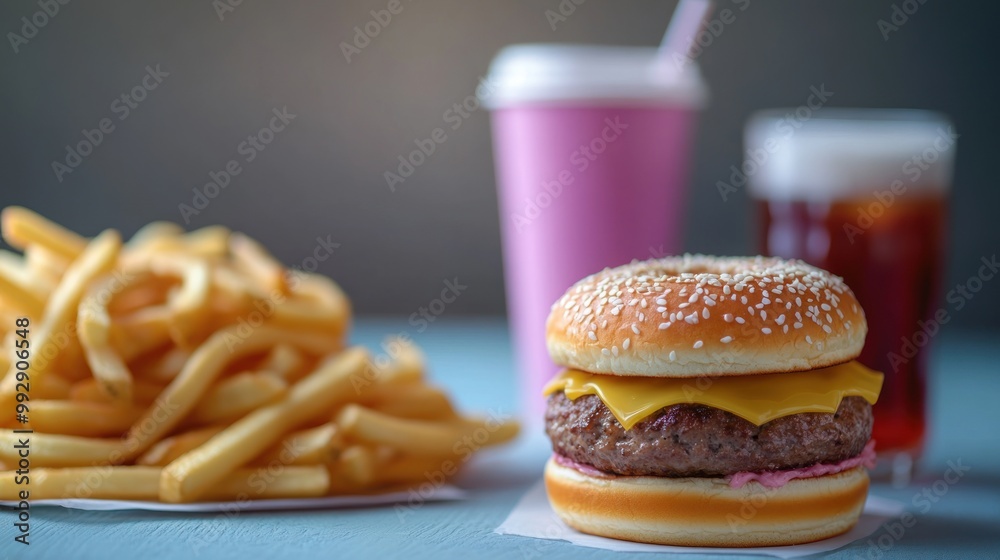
[
  {"x": 533, "y": 517},
  {"x": 404, "y": 499}
]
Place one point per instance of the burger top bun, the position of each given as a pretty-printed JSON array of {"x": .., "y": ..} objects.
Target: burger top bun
[{"x": 699, "y": 315}]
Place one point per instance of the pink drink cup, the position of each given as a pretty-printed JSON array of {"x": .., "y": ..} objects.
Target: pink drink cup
[{"x": 583, "y": 184}]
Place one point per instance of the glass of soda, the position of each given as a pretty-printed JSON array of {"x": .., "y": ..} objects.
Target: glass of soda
[{"x": 863, "y": 193}]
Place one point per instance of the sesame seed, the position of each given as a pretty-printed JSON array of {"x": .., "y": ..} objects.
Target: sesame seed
[
  {"x": 661, "y": 309},
  {"x": 809, "y": 339},
  {"x": 626, "y": 343},
  {"x": 784, "y": 329},
  {"x": 829, "y": 319},
  {"x": 825, "y": 307},
  {"x": 780, "y": 319},
  {"x": 704, "y": 313},
  {"x": 673, "y": 356},
  {"x": 642, "y": 303},
  {"x": 604, "y": 324},
  {"x": 728, "y": 317},
  {"x": 743, "y": 300},
  {"x": 692, "y": 318},
  {"x": 709, "y": 301},
  {"x": 726, "y": 339},
  {"x": 635, "y": 329},
  {"x": 664, "y": 326},
  {"x": 605, "y": 352},
  {"x": 591, "y": 335},
  {"x": 797, "y": 325},
  {"x": 740, "y": 320},
  {"x": 765, "y": 330},
  {"x": 693, "y": 298},
  {"x": 642, "y": 316},
  {"x": 827, "y": 329},
  {"x": 661, "y": 301},
  {"x": 683, "y": 305},
  {"x": 698, "y": 344},
  {"x": 614, "y": 350}
]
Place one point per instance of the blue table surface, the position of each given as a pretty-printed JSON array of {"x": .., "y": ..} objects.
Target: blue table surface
[{"x": 472, "y": 358}]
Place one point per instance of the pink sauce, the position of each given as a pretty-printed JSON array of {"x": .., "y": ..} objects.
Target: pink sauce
[
  {"x": 774, "y": 479},
  {"x": 777, "y": 479},
  {"x": 588, "y": 470}
]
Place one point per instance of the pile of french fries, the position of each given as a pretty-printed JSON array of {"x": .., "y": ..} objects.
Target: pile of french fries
[{"x": 186, "y": 367}]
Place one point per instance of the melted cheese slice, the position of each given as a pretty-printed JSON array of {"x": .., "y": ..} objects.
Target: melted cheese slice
[{"x": 756, "y": 398}]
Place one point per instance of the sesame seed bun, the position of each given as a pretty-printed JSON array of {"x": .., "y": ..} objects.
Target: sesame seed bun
[
  {"x": 706, "y": 511},
  {"x": 699, "y": 315}
]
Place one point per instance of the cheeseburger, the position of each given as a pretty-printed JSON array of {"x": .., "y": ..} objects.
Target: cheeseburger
[{"x": 710, "y": 401}]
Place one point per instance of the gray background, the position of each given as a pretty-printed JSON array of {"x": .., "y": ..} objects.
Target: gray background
[{"x": 323, "y": 176}]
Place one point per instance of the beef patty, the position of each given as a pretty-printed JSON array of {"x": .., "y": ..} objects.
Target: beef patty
[{"x": 697, "y": 440}]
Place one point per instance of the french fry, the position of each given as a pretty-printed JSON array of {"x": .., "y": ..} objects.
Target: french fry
[
  {"x": 285, "y": 361},
  {"x": 19, "y": 293},
  {"x": 321, "y": 305},
  {"x": 51, "y": 387},
  {"x": 22, "y": 227},
  {"x": 164, "y": 368},
  {"x": 141, "y": 483},
  {"x": 408, "y": 436},
  {"x": 314, "y": 446},
  {"x": 96, "y": 259},
  {"x": 411, "y": 400},
  {"x": 153, "y": 233},
  {"x": 419, "y": 437},
  {"x": 168, "y": 449},
  {"x": 144, "y": 290},
  {"x": 93, "y": 324},
  {"x": 236, "y": 396},
  {"x": 357, "y": 463},
  {"x": 205, "y": 365},
  {"x": 78, "y": 418},
  {"x": 259, "y": 265},
  {"x": 89, "y": 390},
  {"x": 108, "y": 483},
  {"x": 141, "y": 331},
  {"x": 53, "y": 450},
  {"x": 411, "y": 468},
  {"x": 262, "y": 484},
  {"x": 193, "y": 473},
  {"x": 45, "y": 265}
]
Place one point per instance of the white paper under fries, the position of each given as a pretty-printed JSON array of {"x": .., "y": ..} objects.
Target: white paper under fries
[{"x": 444, "y": 493}]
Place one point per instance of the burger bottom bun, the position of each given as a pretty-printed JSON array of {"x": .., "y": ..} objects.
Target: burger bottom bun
[{"x": 707, "y": 511}]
